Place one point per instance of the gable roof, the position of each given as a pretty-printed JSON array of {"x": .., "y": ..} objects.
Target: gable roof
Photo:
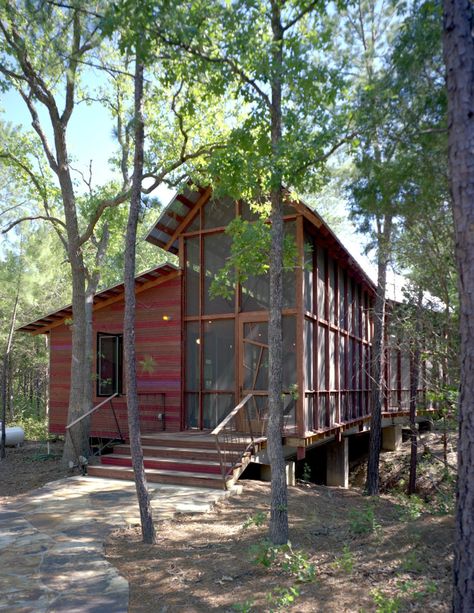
[
  {"x": 184, "y": 206},
  {"x": 143, "y": 281}
]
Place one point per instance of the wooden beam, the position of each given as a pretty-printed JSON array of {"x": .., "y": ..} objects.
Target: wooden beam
[
  {"x": 186, "y": 201},
  {"x": 164, "y": 229},
  {"x": 189, "y": 217},
  {"x": 104, "y": 303},
  {"x": 173, "y": 215}
]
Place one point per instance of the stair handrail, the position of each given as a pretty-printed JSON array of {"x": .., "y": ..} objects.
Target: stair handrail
[
  {"x": 232, "y": 443},
  {"x": 82, "y": 463},
  {"x": 87, "y": 413},
  {"x": 218, "y": 429}
]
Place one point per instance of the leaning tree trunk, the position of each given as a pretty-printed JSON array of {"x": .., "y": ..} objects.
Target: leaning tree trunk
[
  {"x": 459, "y": 58},
  {"x": 279, "y": 495},
  {"x": 378, "y": 350},
  {"x": 148, "y": 529}
]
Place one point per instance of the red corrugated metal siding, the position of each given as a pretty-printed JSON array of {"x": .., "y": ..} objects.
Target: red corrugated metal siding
[{"x": 158, "y": 343}]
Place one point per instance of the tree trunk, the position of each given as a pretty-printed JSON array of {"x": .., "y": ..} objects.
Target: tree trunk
[
  {"x": 378, "y": 349},
  {"x": 77, "y": 442},
  {"x": 279, "y": 495},
  {"x": 148, "y": 529},
  {"x": 459, "y": 58},
  {"x": 6, "y": 357},
  {"x": 414, "y": 378}
]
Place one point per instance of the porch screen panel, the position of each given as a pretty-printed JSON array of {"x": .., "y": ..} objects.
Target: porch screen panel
[
  {"x": 192, "y": 410},
  {"x": 332, "y": 290},
  {"x": 215, "y": 407},
  {"x": 192, "y": 275},
  {"x": 218, "y": 213},
  {"x": 357, "y": 375},
  {"x": 322, "y": 358},
  {"x": 332, "y": 360},
  {"x": 308, "y": 354},
  {"x": 289, "y": 352},
  {"x": 256, "y": 293},
  {"x": 192, "y": 373},
  {"x": 321, "y": 284},
  {"x": 393, "y": 394},
  {"x": 216, "y": 251},
  {"x": 308, "y": 274},
  {"x": 342, "y": 302},
  {"x": 350, "y": 300},
  {"x": 255, "y": 358},
  {"x": 219, "y": 355},
  {"x": 405, "y": 377},
  {"x": 350, "y": 377},
  {"x": 356, "y": 298},
  {"x": 289, "y": 276}
]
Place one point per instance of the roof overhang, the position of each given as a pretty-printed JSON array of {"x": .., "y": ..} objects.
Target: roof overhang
[
  {"x": 177, "y": 214},
  {"x": 145, "y": 280}
]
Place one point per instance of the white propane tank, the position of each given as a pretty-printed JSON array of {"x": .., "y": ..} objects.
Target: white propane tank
[{"x": 13, "y": 436}]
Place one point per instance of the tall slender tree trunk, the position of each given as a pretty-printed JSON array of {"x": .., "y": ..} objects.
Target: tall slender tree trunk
[
  {"x": 378, "y": 358},
  {"x": 148, "y": 529},
  {"x": 414, "y": 379},
  {"x": 459, "y": 58},
  {"x": 6, "y": 358},
  {"x": 279, "y": 496}
]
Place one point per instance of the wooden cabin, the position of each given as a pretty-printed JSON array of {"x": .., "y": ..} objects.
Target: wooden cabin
[{"x": 199, "y": 356}]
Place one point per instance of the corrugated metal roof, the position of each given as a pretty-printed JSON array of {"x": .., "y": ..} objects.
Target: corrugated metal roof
[
  {"x": 111, "y": 292},
  {"x": 173, "y": 216}
]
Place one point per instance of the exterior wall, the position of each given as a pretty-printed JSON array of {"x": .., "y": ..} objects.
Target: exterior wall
[{"x": 158, "y": 345}]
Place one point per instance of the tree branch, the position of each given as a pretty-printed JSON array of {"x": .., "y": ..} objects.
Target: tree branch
[
  {"x": 104, "y": 204},
  {"x": 160, "y": 176},
  {"x": 39, "y": 130},
  {"x": 53, "y": 220},
  {"x": 216, "y": 59},
  {"x": 300, "y": 15},
  {"x": 327, "y": 154}
]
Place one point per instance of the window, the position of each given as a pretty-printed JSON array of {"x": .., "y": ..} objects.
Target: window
[{"x": 109, "y": 364}]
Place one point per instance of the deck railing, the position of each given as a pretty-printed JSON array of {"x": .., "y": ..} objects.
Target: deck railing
[{"x": 103, "y": 443}]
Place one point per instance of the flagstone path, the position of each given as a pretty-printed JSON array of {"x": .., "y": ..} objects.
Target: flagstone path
[{"x": 51, "y": 542}]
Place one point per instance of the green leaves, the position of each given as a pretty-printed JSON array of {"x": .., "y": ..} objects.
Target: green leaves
[{"x": 249, "y": 252}]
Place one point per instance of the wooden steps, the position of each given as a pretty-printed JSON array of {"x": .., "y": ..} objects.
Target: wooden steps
[{"x": 183, "y": 458}]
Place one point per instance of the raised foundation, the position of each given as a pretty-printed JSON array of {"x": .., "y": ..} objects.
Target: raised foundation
[
  {"x": 391, "y": 438},
  {"x": 266, "y": 473},
  {"x": 337, "y": 465}
]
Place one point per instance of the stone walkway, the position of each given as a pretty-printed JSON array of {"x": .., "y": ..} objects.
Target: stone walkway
[{"x": 51, "y": 542}]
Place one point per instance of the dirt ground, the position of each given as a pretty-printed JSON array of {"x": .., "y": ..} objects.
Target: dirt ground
[
  {"x": 29, "y": 466},
  {"x": 349, "y": 553}
]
